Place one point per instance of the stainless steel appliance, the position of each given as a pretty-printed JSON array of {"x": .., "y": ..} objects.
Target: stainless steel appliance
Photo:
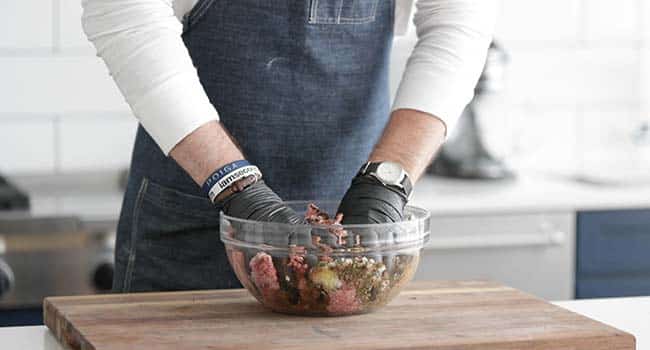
[
  {"x": 45, "y": 256},
  {"x": 467, "y": 154},
  {"x": 11, "y": 197}
]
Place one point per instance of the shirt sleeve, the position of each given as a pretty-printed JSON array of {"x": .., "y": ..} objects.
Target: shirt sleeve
[
  {"x": 444, "y": 67},
  {"x": 140, "y": 42}
]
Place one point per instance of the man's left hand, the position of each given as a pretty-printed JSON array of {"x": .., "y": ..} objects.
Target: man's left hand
[{"x": 368, "y": 201}]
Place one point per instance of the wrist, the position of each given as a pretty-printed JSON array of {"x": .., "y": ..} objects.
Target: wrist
[
  {"x": 390, "y": 175},
  {"x": 410, "y": 163},
  {"x": 231, "y": 178},
  {"x": 207, "y": 148},
  {"x": 411, "y": 138},
  {"x": 236, "y": 187}
]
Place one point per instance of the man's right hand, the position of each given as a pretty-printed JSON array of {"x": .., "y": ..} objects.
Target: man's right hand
[{"x": 258, "y": 202}]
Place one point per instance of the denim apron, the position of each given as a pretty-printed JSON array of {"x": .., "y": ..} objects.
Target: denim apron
[{"x": 302, "y": 85}]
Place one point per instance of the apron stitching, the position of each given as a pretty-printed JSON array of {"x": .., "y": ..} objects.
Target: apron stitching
[
  {"x": 192, "y": 14},
  {"x": 132, "y": 249},
  {"x": 338, "y": 15},
  {"x": 392, "y": 15},
  {"x": 367, "y": 18},
  {"x": 339, "y": 18},
  {"x": 374, "y": 10},
  {"x": 200, "y": 11},
  {"x": 314, "y": 14}
]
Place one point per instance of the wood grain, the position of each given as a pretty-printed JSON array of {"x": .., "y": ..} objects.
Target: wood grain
[{"x": 426, "y": 315}]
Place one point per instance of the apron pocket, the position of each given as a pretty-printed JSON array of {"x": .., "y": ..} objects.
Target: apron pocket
[
  {"x": 175, "y": 243},
  {"x": 342, "y": 11}
]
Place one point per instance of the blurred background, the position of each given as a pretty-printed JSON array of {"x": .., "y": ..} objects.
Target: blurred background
[
  {"x": 546, "y": 187},
  {"x": 576, "y": 86}
]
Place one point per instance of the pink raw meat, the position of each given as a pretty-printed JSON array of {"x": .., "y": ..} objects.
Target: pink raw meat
[
  {"x": 263, "y": 272},
  {"x": 343, "y": 300}
]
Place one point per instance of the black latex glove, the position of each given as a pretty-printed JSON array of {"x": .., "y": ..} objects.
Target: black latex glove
[
  {"x": 368, "y": 201},
  {"x": 258, "y": 202}
]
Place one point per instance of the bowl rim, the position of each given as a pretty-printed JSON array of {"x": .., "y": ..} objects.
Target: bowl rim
[{"x": 425, "y": 216}]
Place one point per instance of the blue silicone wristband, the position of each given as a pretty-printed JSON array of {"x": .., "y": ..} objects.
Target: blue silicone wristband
[{"x": 221, "y": 173}]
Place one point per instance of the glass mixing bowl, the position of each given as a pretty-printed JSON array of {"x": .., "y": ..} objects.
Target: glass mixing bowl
[{"x": 324, "y": 270}]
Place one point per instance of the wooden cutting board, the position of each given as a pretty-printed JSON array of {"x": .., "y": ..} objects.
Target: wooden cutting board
[{"x": 426, "y": 315}]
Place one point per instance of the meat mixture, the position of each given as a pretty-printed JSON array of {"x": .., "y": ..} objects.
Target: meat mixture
[{"x": 322, "y": 285}]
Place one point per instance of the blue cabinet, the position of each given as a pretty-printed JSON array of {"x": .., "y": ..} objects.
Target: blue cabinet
[
  {"x": 21, "y": 317},
  {"x": 613, "y": 253}
]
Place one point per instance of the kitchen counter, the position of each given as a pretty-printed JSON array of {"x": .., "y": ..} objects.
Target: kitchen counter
[
  {"x": 93, "y": 197},
  {"x": 28, "y": 338},
  {"x": 628, "y": 314},
  {"x": 98, "y": 197},
  {"x": 527, "y": 193}
]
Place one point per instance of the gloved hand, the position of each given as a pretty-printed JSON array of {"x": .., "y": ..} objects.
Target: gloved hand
[
  {"x": 258, "y": 202},
  {"x": 368, "y": 201}
]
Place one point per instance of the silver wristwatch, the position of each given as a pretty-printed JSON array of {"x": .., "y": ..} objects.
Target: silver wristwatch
[{"x": 390, "y": 174}]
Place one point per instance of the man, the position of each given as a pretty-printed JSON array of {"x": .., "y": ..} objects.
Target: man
[{"x": 296, "y": 90}]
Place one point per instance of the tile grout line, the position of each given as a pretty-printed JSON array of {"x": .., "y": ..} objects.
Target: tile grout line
[
  {"x": 642, "y": 27},
  {"x": 56, "y": 26},
  {"x": 580, "y": 139},
  {"x": 581, "y": 34}
]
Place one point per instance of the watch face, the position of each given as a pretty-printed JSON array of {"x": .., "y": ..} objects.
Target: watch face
[{"x": 390, "y": 173}]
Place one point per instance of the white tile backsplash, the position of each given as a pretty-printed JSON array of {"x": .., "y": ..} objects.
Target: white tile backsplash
[
  {"x": 91, "y": 142},
  {"x": 57, "y": 84},
  {"x": 644, "y": 82},
  {"x": 607, "y": 76},
  {"x": 644, "y": 16},
  {"x": 545, "y": 138},
  {"x": 608, "y": 127},
  {"x": 610, "y": 141},
  {"x": 557, "y": 75},
  {"x": 25, "y": 24},
  {"x": 27, "y": 145},
  {"x": 611, "y": 20},
  {"x": 536, "y": 20},
  {"x": 541, "y": 74},
  {"x": 71, "y": 35}
]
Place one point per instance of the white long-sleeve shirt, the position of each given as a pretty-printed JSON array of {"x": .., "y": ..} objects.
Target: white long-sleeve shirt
[{"x": 140, "y": 42}]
